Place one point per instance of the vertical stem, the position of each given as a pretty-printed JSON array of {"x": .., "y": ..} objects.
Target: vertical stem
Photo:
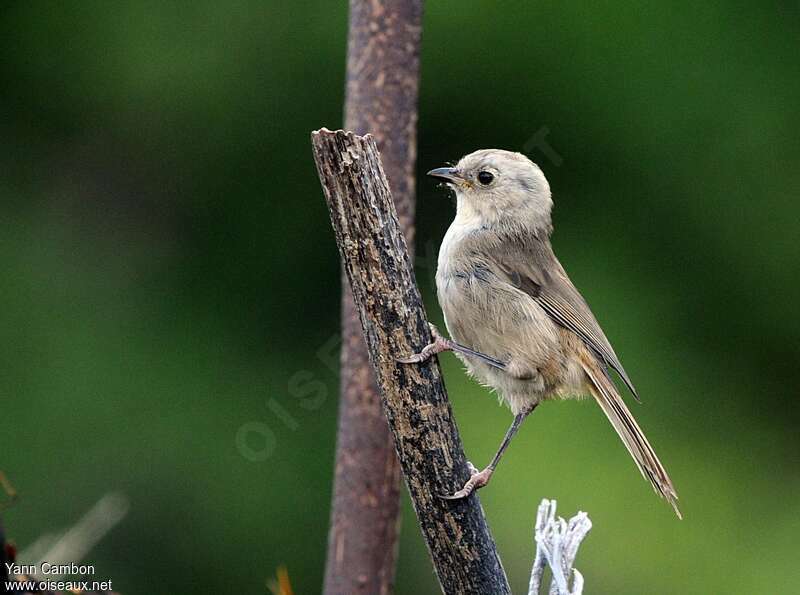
[
  {"x": 381, "y": 98},
  {"x": 393, "y": 321}
]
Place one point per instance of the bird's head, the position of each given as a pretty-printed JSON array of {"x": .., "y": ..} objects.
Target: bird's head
[{"x": 496, "y": 187}]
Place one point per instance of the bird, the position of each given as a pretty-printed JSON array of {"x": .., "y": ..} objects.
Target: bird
[{"x": 514, "y": 317}]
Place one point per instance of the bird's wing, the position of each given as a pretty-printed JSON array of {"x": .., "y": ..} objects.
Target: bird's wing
[{"x": 533, "y": 268}]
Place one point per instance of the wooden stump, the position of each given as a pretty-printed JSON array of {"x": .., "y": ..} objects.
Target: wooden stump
[{"x": 376, "y": 261}]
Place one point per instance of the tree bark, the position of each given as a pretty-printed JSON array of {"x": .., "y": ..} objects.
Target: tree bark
[
  {"x": 390, "y": 308},
  {"x": 381, "y": 97}
]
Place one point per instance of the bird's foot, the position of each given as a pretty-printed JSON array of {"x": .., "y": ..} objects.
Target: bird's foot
[
  {"x": 477, "y": 480},
  {"x": 441, "y": 344},
  {"x": 438, "y": 345}
]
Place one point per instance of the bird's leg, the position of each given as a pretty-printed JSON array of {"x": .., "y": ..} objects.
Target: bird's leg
[
  {"x": 441, "y": 344},
  {"x": 479, "y": 479}
]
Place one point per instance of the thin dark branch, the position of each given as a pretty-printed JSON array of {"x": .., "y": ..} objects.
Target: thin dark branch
[
  {"x": 376, "y": 260},
  {"x": 382, "y": 89}
]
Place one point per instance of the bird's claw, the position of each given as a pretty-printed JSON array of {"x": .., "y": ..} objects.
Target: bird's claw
[
  {"x": 438, "y": 345},
  {"x": 477, "y": 480},
  {"x": 411, "y": 359}
]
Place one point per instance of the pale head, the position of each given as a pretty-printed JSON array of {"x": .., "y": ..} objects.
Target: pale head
[{"x": 499, "y": 187}]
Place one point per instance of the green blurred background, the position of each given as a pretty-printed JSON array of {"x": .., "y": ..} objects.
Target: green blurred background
[{"x": 171, "y": 278}]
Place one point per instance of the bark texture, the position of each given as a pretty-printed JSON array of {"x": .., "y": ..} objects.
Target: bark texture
[
  {"x": 381, "y": 98},
  {"x": 378, "y": 266}
]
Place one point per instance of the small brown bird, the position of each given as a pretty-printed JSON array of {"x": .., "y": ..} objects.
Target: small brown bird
[{"x": 517, "y": 321}]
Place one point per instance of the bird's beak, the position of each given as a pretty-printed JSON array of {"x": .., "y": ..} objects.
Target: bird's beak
[{"x": 446, "y": 174}]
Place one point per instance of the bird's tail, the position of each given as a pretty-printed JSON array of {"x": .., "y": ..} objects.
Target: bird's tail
[{"x": 610, "y": 401}]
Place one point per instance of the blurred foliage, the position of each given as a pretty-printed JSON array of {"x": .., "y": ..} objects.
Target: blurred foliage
[{"x": 171, "y": 276}]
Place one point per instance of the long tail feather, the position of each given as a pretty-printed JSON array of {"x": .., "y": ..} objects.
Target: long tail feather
[{"x": 610, "y": 401}]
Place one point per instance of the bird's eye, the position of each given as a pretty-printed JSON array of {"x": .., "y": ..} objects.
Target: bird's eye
[{"x": 485, "y": 178}]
